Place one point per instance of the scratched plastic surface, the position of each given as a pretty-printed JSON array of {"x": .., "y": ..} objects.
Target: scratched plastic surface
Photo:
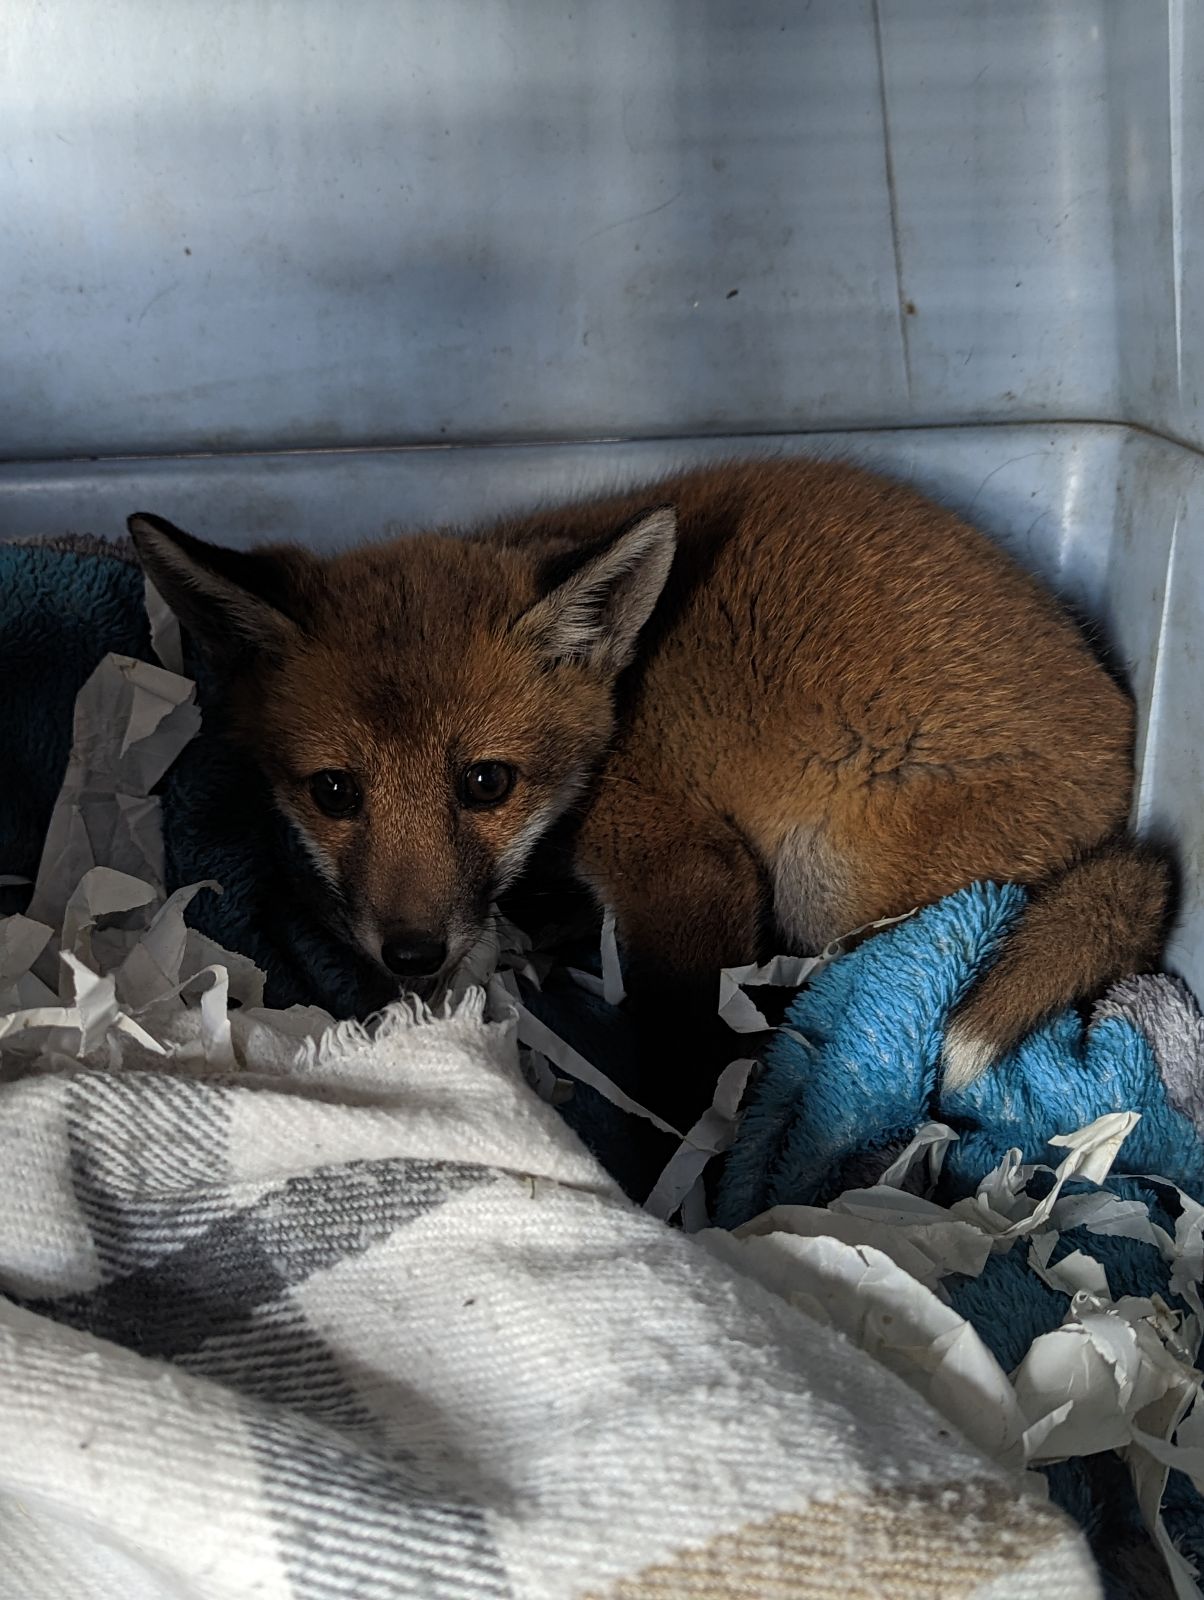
[
  {"x": 247, "y": 247},
  {"x": 277, "y": 225}
]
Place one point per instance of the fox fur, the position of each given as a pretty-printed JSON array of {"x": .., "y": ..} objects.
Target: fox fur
[{"x": 767, "y": 703}]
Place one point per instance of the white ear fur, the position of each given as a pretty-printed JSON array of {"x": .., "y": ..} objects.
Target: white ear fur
[
  {"x": 215, "y": 604},
  {"x": 595, "y": 615}
]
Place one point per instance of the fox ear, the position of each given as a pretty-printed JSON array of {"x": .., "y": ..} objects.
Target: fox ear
[
  {"x": 231, "y": 601},
  {"x": 596, "y": 614}
]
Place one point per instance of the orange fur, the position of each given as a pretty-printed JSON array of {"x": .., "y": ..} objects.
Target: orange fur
[{"x": 846, "y": 703}]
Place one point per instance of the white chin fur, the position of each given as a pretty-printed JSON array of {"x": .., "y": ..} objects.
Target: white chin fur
[{"x": 963, "y": 1058}]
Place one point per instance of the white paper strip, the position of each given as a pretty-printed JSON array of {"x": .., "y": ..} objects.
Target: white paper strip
[
  {"x": 164, "y": 629},
  {"x": 613, "y": 991},
  {"x": 711, "y": 1134},
  {"x": 783, "y": 972},
  {"x": 131, "y": 722},
  {"x": 929, "y": 1143}
]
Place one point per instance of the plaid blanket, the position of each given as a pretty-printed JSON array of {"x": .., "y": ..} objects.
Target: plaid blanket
[{"x": 377, "y": 1325}]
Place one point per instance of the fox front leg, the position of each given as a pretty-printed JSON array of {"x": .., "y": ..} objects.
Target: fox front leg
[
  {"x": 688, "y": 899},
  {"x": 687, "y": 892}
]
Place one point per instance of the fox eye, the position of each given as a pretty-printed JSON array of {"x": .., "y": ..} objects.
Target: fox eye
[
  {"x": 336, "y": 793},
  {"x": 486, "y": 783}
]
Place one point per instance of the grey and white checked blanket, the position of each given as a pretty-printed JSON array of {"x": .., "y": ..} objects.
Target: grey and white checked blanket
[{"x": 376, "y": 1325}]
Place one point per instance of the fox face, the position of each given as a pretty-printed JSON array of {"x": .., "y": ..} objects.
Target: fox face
[{"x": 424, "y": 711}]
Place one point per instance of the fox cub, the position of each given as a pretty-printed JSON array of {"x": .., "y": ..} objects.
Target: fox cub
[{"x": 768, "y": 703}]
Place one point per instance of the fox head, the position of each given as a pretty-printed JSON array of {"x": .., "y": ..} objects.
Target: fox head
[{"x": 423, "y": 710}]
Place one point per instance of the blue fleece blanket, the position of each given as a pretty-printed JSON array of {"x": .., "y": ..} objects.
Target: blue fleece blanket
[
  {"x": 855, "y": 1070},
  {"x": 840, "y": 1088}
]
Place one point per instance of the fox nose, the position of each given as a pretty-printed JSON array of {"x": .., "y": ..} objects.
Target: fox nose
[{"x": 408, "y": 955}]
